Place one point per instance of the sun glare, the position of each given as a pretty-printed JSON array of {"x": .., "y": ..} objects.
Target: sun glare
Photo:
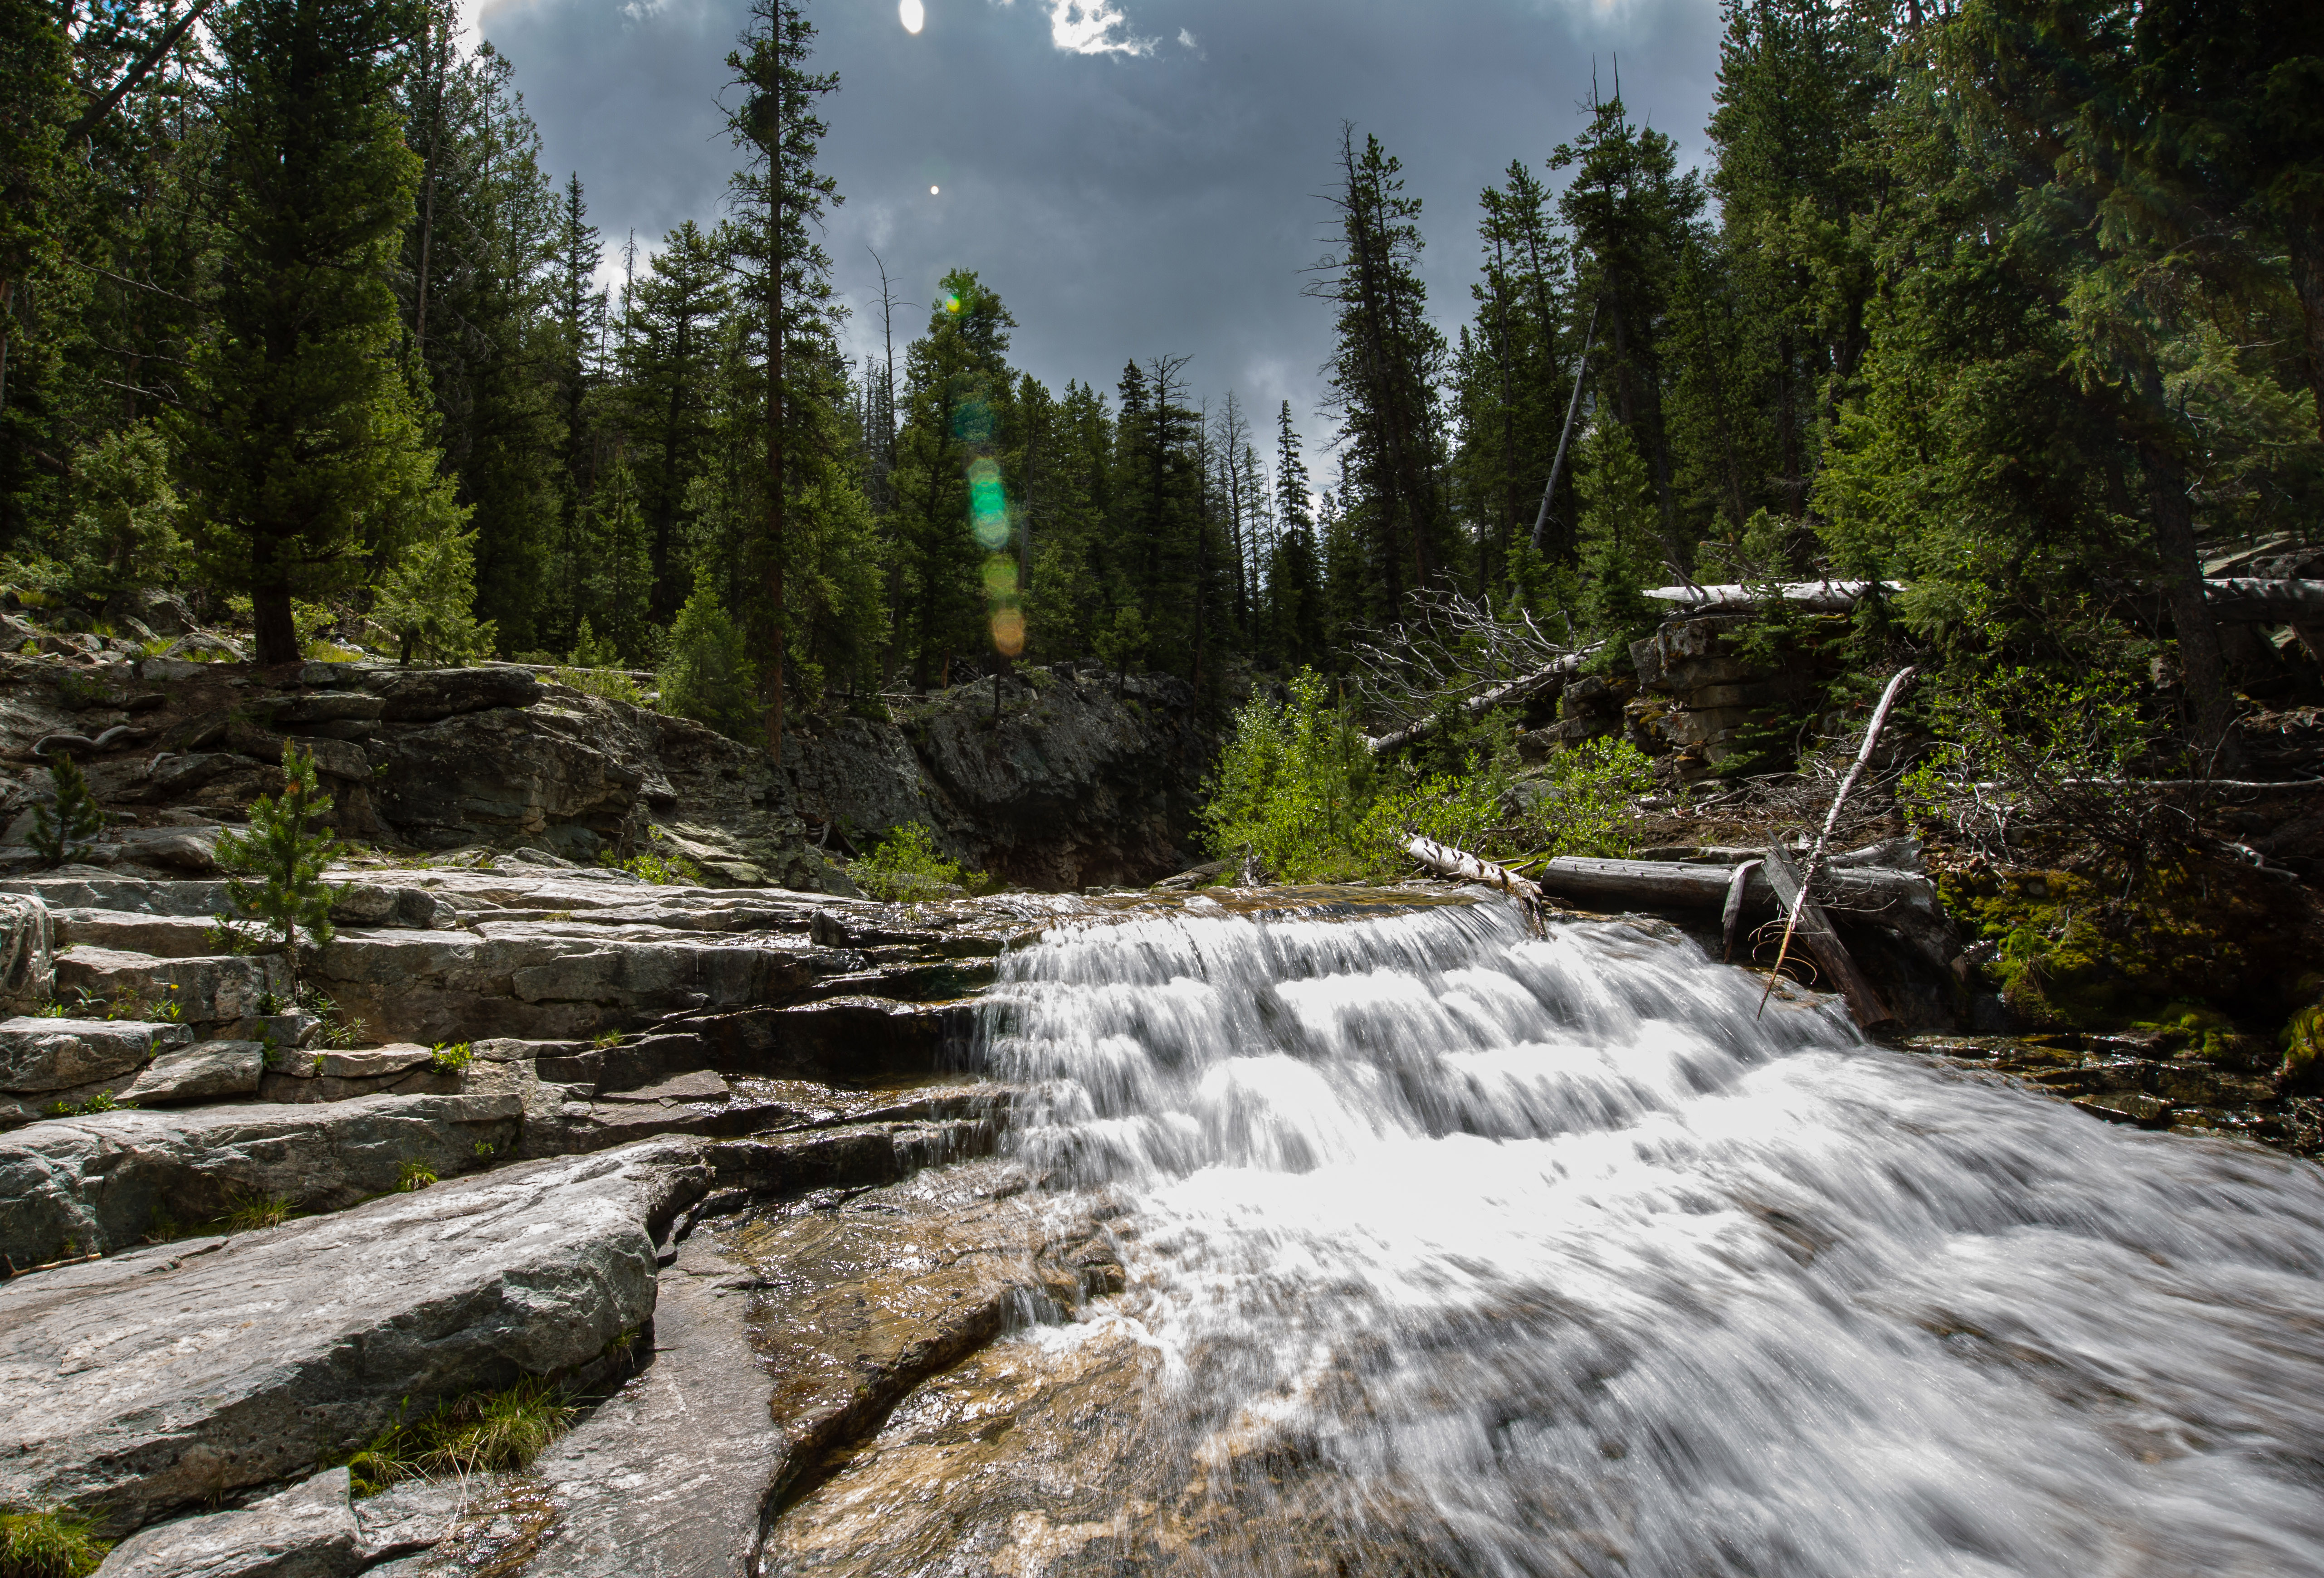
[{"x": 914, "y": 15}]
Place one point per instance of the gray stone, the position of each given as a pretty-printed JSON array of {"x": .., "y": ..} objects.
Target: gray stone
[
  {"x": 208, "y": 990},
  {"x": 206, "y": 1071},
  {"x": 53, "y": 1054},
  {"x": 424, "y": 695},
  {"x": 125, "y": 895},
  {"x": 371, "y": 1063},
  {"x": 335, "y": 758},
  {"x": 28, "y": 948},
  {"x": 308, "y": 1531},
  {"x": 161, "y": 936},
  {"x": 411, "y": 1516},
  {"x": 294, "y": 1346},
  {"x": 333, "y": 707},
  {"x": 701, "y": 1084},
  {"x": 102, "y": 1181}
]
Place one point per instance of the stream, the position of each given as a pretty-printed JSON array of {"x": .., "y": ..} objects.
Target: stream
[{"x": 1455, "y": 1250}]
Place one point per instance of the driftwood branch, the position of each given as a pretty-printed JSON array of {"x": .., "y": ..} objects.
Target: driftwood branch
[
  {"x": 1814, "y": 929},
  {"x": 1820, "y": 597},
  {"x": 1803, "y": 900}
]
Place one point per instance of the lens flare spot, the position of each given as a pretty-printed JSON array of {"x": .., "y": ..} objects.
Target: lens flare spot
[
  {"x": 914, "y": 16},
  {"x": 1001, "y": 578},
  {"x": 1008, "y": 632},
  {"x": 932, "y": 192}
]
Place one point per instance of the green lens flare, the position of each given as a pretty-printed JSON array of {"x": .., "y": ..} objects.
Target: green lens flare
[{"x": 1001, "y": 578}]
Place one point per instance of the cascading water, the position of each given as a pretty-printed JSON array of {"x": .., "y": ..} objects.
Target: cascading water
[{"x": 1459, "y": 1249}]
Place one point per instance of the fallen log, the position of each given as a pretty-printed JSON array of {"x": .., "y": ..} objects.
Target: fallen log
[
  {"x": 1817, "y": 596},
  {"x": 1814, "y": 930},
  {"x": 1902, "y": 901}
]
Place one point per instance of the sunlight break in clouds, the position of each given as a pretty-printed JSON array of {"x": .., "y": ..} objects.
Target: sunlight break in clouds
[
  {"x": 1086, "y": 27},
  {"x": 912, "y": 15}
]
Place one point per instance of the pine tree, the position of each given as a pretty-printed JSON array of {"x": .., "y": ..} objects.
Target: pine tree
[
  {"x": 781, "y": 194},
  {"x": 1386, "y": 373},
  {"x": 277, "y": 892},
  {"x": 302, "y": 444},
  {"x": 35, "y": 64},
  {"x": 668, "y": 369},
  {"x": 1294, "y": 597},
  {"x": 60, "y": 835}
]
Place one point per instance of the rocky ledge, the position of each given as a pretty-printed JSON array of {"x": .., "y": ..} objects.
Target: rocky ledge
[{"x": 739, "y": 1132}]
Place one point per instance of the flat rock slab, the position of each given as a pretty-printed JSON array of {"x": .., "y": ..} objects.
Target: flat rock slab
[
  {"x": 205, "y": 991},
  {"x": 57, "y": 1055},
  {"x": 206, "y": 1071},
  {"x": 308, "y": 1531},
  {"x": 104, "y": 1182},
  {"x": 136, "y": 1386},
  {"x": 701, "y": 1084}
]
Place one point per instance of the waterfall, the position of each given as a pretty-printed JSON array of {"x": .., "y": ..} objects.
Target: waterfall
[{"x": 1543, "y": 1256}]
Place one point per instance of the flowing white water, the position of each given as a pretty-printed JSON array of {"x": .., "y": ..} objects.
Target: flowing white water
[{"x": 1550, "y": 1259}]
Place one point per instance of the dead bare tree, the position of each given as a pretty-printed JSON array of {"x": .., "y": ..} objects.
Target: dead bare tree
[{"x": 1454, "y": 657}]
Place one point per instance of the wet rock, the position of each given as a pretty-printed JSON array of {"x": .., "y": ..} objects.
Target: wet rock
[
  {"x": 209, "y": 1070},
  {"x": 2126, "y": 1108},
  {"x": 103, "y": 1181},
  {"x": 778, "y": 1340},
  {"x": 54, "y": 1054},
  {"x": 308, "y": 1531},
  {"x": 411, "y": 1516},
  {"x": 701, "y": 1084},
  {"x": 297, "y": 1344}
]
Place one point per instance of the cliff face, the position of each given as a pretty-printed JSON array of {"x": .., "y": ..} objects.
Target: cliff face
[
  {"x": 1072, "y": 783},
  {"x": 1060, "y": 781}
]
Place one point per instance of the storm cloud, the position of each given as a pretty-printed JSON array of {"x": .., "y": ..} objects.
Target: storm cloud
[{"x": 1135, "y": 177}]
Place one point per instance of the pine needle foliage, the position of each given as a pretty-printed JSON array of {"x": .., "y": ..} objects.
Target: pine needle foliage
[
  {"x": 60, "y": 835},
  {"x": 279, "y": 893}
]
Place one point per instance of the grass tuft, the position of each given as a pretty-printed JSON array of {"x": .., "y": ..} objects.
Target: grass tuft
[
  {"x": 485, "y": 1432},
  {"x": 253, "y": 1212},
  {"x": 54, "y": 1543},
  {"x": 414, "y": 1175}
]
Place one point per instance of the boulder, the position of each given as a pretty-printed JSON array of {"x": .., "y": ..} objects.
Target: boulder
[
  {"x": 308, "y": 1531},
  {"x": 207, "y": 991},
  {"x": 205, "y": 1071},
  {"x": 424, "y": 695},
  {"x": 56, "y": 1054},
  {"x": 295, "y": 1346},
  {"x": 104, "y": 1180}
]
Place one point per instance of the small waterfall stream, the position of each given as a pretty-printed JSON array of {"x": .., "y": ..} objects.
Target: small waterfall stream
[{"x": 1457, "y": 1249}]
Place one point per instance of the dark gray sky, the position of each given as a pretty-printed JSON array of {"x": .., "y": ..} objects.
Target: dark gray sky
[{"x": 1135, "y": 177}]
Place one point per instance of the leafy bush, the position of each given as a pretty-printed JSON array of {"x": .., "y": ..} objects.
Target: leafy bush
[
  {"x": 707, "y": 673},
  {"x": 1296, "y": 787},
  {"x": 1293, "y": 786},
  {"x": 280, "y": 892},
  {"x": 54, "y": 1543},
  {"x": 482, "y": 1433},
  {"x": 414, "y": 1175},
  {"x": 451, "y": 1059},
  {"x": 907, "y": 866},
  {"x": 58, "y": 836}
]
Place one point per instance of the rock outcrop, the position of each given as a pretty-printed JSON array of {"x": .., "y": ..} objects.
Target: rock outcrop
[{"x": 1077, "y": 780}]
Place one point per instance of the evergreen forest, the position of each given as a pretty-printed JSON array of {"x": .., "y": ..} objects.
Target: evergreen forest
[{"x": 2016, "y": 304}]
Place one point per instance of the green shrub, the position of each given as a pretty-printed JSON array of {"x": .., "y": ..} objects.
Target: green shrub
[
  {"x": 56, "y": 1543},
  {"x": 706, "y": 673},
  {"x": 1293, "y": 786},
  {"x": 414, "y": 1175},
  {"x": 280, "y": 892},
  {"x": 610, "y": 685},
  {"x": 58, "y": 836},
  {"x": 451, "y": 1059},
  {"x": 662, "y": 868},
  {"x": 480, "y": 1433},
  {"x": 907, "y": 866}
]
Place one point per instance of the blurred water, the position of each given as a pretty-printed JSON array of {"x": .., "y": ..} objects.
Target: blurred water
[{"x": 1546, "y": 1258}]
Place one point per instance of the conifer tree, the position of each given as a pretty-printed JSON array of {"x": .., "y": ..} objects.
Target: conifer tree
[
  {"x": 781, "y": 195},
  {"x": 34, "y": 65},
  {"x": 303, "y": 445}
]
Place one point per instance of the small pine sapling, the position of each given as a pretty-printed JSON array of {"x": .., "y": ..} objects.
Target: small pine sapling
[
  {"x": 278, "y": 892},
  {"x": 60, "y": 835}
]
